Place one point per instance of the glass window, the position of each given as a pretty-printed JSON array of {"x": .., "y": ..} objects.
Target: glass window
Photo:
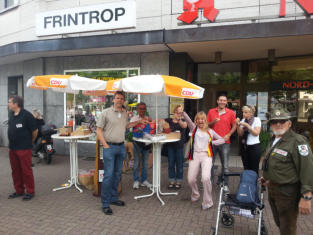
[
  {"x": 259, "y": 71},
  {"x": 7, "y": 3},
  {"x": 286, "y": 100},
  {"x": 305, "y": 106},
  {"x": 293, "y": 69},
  {"x": 260, "y": 101},
  {"x": 87, "y": 109},
  {"x": 15, "y": 86},
  {"x": 225, "y": 73}
]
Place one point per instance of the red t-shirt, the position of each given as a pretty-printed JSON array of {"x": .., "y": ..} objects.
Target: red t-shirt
[{"x": 224, "y": 125}]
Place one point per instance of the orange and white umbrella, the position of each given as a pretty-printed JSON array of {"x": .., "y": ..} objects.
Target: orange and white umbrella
[
  {"x": 65, "y": 83},
  {"x": 111, "y": 87},
  {"x": 161, "y": 85}
]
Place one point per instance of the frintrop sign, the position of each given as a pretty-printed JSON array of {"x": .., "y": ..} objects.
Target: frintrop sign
[{"x": 115, "y": 15}]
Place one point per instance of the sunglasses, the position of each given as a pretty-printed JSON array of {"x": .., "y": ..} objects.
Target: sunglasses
[{"x": 273, "y": 122}]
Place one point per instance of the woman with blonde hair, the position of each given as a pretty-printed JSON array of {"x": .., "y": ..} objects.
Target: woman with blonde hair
[
  {"x": 249, "y": 128},
  {"x": 201, "y": 153}
]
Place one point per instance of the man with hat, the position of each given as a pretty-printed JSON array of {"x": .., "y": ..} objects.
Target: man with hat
[{"x": 288, "y": 167}]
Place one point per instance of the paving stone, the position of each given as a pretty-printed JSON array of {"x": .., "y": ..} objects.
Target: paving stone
[{"x": 70, "y": 212}]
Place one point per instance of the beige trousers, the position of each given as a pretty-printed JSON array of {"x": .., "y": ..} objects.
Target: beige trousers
[{"x": 201, "y": 159}]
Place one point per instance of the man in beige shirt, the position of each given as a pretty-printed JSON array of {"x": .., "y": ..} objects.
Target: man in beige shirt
[{"x": 111, "y": 128}]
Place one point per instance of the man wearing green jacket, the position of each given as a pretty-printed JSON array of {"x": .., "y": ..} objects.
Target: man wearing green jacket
[{"x": 288, "y": 173}]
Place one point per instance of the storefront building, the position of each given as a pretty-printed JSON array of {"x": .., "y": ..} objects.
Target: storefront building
[{"x": 258, "y": 52}]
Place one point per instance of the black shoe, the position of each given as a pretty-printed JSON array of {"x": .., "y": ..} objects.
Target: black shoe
[
  {"x": 107, "y": 210},
  {"x": 28, "y": 197},
  {"x": 14, "y": 195},
  {"x": 118, "y": 203}
]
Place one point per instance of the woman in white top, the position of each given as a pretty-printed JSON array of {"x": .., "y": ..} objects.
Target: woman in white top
[
  {"x": 249, "y": 128},
  {"x": 201, "y": 154}
]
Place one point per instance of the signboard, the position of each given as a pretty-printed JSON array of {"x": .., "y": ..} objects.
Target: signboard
[
  {"x": 100, "y": 174},
  {"x": 251, "y": 98},
  {"x": 115, "y": 15},
  {"x": 192, "y": 8},
  {"x": 174, "y": 101},
  {"x": 292, "y": 85}
]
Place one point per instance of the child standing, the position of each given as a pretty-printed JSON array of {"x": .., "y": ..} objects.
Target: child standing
[{"x": 201, "y": 154}]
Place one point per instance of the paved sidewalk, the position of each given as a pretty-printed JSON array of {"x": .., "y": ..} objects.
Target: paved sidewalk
[{"x": 70, "y": 212}]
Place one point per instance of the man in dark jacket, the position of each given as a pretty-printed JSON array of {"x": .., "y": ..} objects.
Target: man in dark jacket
[
  {"x": 288, "y": 173},
  {"x": 22, "y": 131}
]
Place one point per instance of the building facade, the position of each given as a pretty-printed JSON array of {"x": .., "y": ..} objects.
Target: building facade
[{"x": 259, "y": 52}]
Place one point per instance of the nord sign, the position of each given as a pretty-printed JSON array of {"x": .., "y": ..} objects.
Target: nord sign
[
  {"x": 292, "y": 85},
  {"x": 191, "y": 9},
  {"x": 115, "y": 15}
]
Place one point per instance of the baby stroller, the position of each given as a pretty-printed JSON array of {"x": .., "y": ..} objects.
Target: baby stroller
[{"x": 229, "y": 205}]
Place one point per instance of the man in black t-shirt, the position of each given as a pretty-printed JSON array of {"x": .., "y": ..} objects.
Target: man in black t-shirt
[{"x": 22, "y": 131}]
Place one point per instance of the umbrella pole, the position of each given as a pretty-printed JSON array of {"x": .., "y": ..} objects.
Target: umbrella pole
[
  {"x": 74, "y": 122},
  {"x": 156, "y": 114}
]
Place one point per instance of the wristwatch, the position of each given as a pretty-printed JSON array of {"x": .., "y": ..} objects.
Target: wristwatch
[{"x": 307, "y": 198}]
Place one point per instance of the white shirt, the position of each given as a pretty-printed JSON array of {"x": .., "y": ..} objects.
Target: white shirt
[
  {"x": 252, "y": 139},
  {"x": 275, "y": 141},
  {"x": 202, "y": 140}
]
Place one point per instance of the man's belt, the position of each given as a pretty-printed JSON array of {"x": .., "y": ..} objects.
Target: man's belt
[{"x": 110, "y": 143}]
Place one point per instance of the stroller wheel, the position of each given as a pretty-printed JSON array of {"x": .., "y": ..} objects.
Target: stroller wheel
[{"x": 227, "y": 220}]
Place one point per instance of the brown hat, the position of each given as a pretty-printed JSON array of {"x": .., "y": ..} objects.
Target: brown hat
[{"x": 279, "y": 114}]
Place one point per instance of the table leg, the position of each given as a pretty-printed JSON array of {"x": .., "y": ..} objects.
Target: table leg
[
  {"x": 156, "y": 182},
  {"x": 159, "y": 175},
  {"x": 73, "y": 168}
]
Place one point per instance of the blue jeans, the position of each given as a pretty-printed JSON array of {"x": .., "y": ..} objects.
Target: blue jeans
[
  {"x": 113, "y": 163},
  {"x": 223, "y": 152},
  {"x": 138, "y": 149},
  {"x": 175, "y": 160}
]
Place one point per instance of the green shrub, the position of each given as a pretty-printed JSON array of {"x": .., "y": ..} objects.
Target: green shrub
[
  {"x": 129, "y": 136},
  {"x": 265, "y": 138}
]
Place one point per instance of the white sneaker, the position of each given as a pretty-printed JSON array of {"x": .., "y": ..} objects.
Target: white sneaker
[
  {"x": 226, "y": 189},
  {"x": 146, "y": 184},
  {"x": 136, "y": 185}
]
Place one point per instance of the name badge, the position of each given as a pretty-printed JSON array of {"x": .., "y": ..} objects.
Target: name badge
[
  {"x": 19, "y": 125},
  {"x": 281, "y": 152},
  {"x": 119, "y": 115}
]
